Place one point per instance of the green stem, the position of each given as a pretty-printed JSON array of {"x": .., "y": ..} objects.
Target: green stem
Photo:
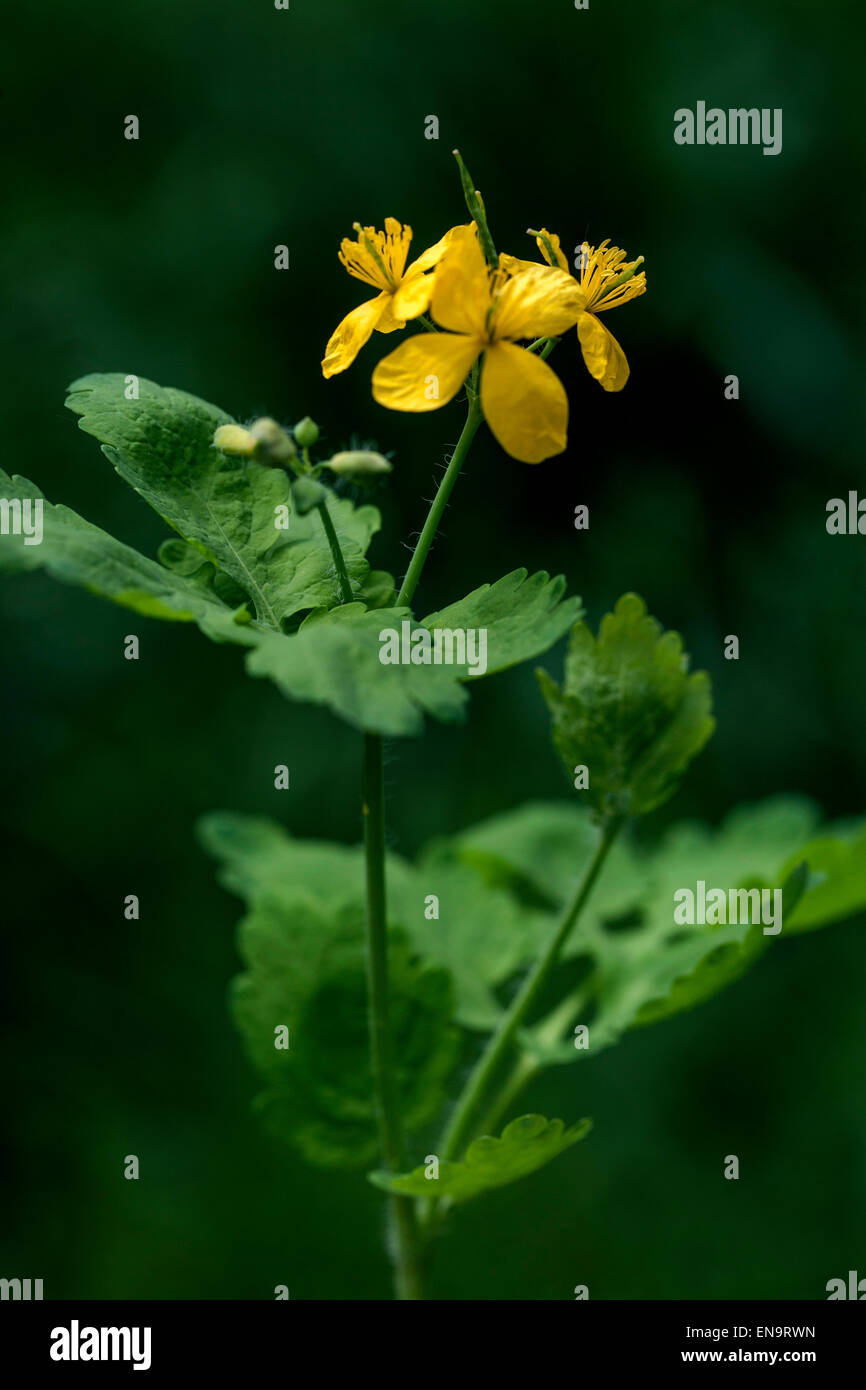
[
  {"x": 408, "y": 1244},
  {"x": 407, "y": 1255},
  {"x": 462, "y": 1120},
  {"x": 546, "y": 344},
  {"x": 334, "y": 543},
  {"x": 526, "y": 1068},
  {"x": 440, "y": 502},
  {"x": 407, "y": 1249}
]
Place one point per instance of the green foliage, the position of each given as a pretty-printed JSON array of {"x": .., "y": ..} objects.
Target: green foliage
[
  {"x": 302, "y": 942},
  {"x": 482, "y": 936},
  {"x": 540, "y": 852},
  {"x": 521, "y": 615},
  {"x": 641, "y": 965},
  {"x": 306, "y": 970},
  {"x": 628, "y": 710},
  {"x": 499, "y": 889},
  {"x": 525, "y": 1145},
  {"x": 837, "y": 880},
  {"x": 333, "y": 660},
  {"x": 721, "y": 965},
  {"x": 75, "y": 552},
  {"x": 468, "y": 919},
  {"x": 243, "y": 579},
  {"x": 162, "y": 445}
]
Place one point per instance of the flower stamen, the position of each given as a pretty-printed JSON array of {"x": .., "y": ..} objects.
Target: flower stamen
[{"x": 372, "y": 249}]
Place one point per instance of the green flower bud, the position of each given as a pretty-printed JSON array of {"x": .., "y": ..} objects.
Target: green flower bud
[
  {"x": 274, "y": 444},
  {"x": 306, "y": 432},
  {"x": 307, "y": 494},
  {"x": 234, "y": 439},
  {"x": 359, "y": 463}
]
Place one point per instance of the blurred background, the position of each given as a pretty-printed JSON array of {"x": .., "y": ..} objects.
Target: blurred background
[{"x": 260, "y": 127}]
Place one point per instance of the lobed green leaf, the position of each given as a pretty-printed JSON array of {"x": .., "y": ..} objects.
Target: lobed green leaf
[
  {"x": 525, "y": 1145},
  {"x": 334, "y": 660},
  {"x": 75, "y": 552},
  {"x": 642, "y": 966},
  {"x": 836, "y": 886},
  {"x": 522, "y": 617},
  {"x": 480, "y": 935},
  {"x": 306, "y": 972},
  {"x": 628, "y": 710},
  {"x": 162, "y": 445}
]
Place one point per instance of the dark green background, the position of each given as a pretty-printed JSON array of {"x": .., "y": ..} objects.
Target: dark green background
[{"x": 261, "y": 127}]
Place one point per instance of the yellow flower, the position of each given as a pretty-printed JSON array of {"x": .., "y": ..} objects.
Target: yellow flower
[
  {"x": 523, "y": 401},
  {"x": 379, "y": 259},
  {"x": 602, "y": 269}
]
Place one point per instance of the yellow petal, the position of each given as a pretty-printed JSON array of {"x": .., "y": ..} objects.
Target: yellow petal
[
  {"x": 557, "y": 249},
  {"x": 604, "y": 358},
  {"x": 535, "y": 303},
  {"x": 389, "y": 321},
  {"x": 433, "y": 255},
  {"x": 413, "y": 296},
  {"x": 424, "y": 372},
  {"x": 512, "y": 265},
  {"x": 524, "y": 403},
  {"x": 350, "y": 336},
  {"x": 461, "y": 293}
]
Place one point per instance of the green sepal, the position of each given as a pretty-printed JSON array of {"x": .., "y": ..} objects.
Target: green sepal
[{"x": 477, "y": 211}]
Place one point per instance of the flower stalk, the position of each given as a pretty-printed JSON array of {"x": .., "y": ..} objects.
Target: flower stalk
[
  {"x": 336, "y": 551},
  {"x": 440, "y": 502}
]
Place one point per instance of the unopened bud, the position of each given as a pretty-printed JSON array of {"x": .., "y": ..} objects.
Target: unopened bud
[
  {"x": 306, "y": 432},
  {"x": 359, "y": 463},
  {"x": 234, "y": 439},
  {"x": 307, "y": 494},
  {"x": 274, "y": 444}
]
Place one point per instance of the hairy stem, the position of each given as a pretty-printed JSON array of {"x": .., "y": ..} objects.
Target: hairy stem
[
  {"x": 408, "y": 1245},
  {"x": 404, "y": 1225},
  {"x": 439, "y": 503},
  {"x": 465, "y": 1112},
  {"x": 407, "y": 1258}
]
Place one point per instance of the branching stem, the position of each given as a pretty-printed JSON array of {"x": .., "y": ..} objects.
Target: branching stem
[{"x": 466, "y": 1110}]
